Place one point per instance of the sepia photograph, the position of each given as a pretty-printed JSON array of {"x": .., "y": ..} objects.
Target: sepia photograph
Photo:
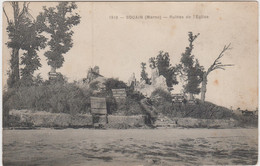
[{"x": 129, "y": 83}]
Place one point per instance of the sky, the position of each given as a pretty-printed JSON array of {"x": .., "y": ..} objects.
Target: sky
[{"x": 118, "y": 46}]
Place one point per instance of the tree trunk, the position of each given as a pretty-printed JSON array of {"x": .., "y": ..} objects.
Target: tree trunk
[
  {"x": 53, "y": 69},
  {"x": 14, "y": 61},
  {"x": 191, "y": 97},
  {"x": 14, "y": 65},
  {"x": 204, "y": 87}
]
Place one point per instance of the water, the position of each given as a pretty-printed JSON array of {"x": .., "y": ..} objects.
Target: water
[{"x": 130, "y": 147}]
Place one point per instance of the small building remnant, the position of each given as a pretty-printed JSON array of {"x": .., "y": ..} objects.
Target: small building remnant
[
  {"x": 119, "y": 93},
  {"x": 55, "y": 76},
  {"x": 132, "y": 81},
  {"x": 98, "y": 110},
  {"x": 157, "y": 81},
  {"x": 93, "y": 73},
  {"x": 98, "y": 105},
  {"x": 178, "y": 98},
  {"x": 52, "y": 75}
]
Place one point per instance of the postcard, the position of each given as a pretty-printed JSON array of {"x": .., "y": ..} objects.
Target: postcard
[{"x": 130, "y": 83}]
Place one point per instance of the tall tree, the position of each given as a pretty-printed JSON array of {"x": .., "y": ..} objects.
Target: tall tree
[
  {"x": 14, "y": 33},
  {"x": 58, "y": 22},
  {"x": 24, "y": 33},
  {"x": 144, "y": 74},
  {"x": 33, "y": 41},
  {"x": 162, "y": 62},
  {"x": 217, "y": 64},
  {"x": 190, "y": 69}
]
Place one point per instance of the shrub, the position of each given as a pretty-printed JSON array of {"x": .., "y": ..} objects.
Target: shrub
[
  {"x": 113, "y": 83},
  {"x": 164, "y": 95},
  {"x": 203, "y": 110},
  {"x": 7, "y": 105},
  {"x": 94, "y": 85},
  {"x": 59, "y": 97},
  {"x": 244, "y": 121},
  {"x": 137, "y": 96},
  {"x": 132, "y": 107}
]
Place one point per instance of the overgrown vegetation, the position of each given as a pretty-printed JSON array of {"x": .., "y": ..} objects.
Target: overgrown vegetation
[
  {"x": 63, "y": 97},
  {"x": 197, "y": 109},
  {"x": 55, "y": 98},
  {"x": 165, "y": 68}
]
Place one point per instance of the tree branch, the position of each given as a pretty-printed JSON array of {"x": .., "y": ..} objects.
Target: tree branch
[
  {"x": 8, "y": 21},
  {"x": 217, "y": 64},
  {"x": 23, "y": 10}
]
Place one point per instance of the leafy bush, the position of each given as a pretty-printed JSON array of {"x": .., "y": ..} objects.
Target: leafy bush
[
  {"x": 198, "y": 109},
  {"x": 7, "y": 105},
  {"x": 66, "y": 98},
  {"x": 244, "y": 121},
  {"x": 113, "y": 83},
  {"x": 164, "y": 95},
  {"x": 137, "y": 96},
  {"x": 202, "y": 110},
  {"x": 94, "y": 85},
  {"x": 126, "y": 106},
  {"x": 133, "y": 107}
]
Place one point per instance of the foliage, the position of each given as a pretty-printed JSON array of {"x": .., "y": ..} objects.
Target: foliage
[
  {"x": 199, "y": 109},
  {"x": 55, "y": 98},
  {"x": 7, "y": 104},
  {"x": 165, "y": 95},
  {"x": 162, "y": 62},
  {"x": 191, "y": 71},
  {"x": 38, "y": 80},
  {"x": 195, "y": 75},
  {"x": 62, "y": 97},
  {"x": 244, "y": 121},
  {"x": 14, "y": 33},
  {"x": 94, "y": 85},
  {"x": 128, "y": 107},
  {"x": 24, "y": 33},
  {"x": 144, "y": 74},
  {"x": 133, "y": 107},
  {"x": 58, "y": 23},
  {"x": 137, "y": 96},
  {"x": 112, "y": 83},
  {"x": 203, "y": 110},
  {"x": 33, "y": 41}
]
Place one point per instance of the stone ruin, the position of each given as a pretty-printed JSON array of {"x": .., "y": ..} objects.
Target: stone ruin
[
  {"x": 93, "y": 76},
  {"x": 157, "y": 81},
  {"x": 93, "y": 73},
  {"x": 132, "y": 80}
]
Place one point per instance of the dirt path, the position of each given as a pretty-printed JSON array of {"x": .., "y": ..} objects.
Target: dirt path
[{"x": 130, "y": 147}]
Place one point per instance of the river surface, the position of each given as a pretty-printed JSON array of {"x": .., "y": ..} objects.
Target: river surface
[{"x": 133, "y": 147}]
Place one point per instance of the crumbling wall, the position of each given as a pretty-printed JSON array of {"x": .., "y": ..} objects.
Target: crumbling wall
[
  {"x": 138, "y": 120},
  {"x": 25, "y": 118},
  {"x": 205, "y": 123}
]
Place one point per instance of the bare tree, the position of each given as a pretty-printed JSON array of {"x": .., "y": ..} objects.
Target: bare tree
[{"x": 217, "y": 64}]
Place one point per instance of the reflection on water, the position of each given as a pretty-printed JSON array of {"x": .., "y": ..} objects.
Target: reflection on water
[{"x": 130, "y": 147}]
